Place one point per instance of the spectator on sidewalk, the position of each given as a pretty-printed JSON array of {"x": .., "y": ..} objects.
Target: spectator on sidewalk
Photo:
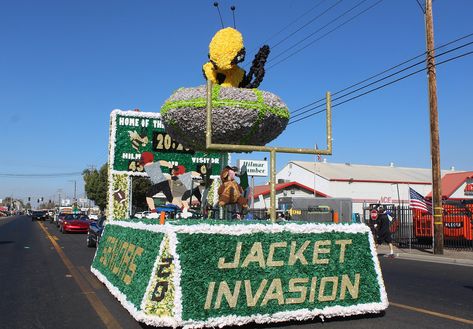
[{"x": 384, "y": 234}]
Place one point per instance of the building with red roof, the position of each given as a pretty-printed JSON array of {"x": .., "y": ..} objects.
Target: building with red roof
[{"x": 456, "y": 186}]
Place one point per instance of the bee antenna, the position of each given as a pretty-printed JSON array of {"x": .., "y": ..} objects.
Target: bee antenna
[
  {"x": 233, "y": 12},
  {"x": 216, "y": 5}
]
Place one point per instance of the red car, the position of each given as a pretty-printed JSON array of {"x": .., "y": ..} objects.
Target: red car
[{"x": 75, "y": 223}]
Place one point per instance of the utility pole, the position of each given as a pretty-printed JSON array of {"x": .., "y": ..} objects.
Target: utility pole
[
  {"x": 59, "y": 197},
  {"x": 74, "y": 181},
  {"x": 434, "y": 133}
]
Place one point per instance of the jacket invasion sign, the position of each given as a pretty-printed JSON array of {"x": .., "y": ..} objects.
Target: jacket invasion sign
[{"x": 133, "y": 133}]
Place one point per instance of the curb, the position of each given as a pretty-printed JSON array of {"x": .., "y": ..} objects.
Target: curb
[{"x": 435, "y": 259}]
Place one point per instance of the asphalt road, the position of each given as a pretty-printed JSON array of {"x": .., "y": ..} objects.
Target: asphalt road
[{"x": 45, "y": 282}]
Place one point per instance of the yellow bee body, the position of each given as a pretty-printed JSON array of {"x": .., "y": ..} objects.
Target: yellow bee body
[{"x": 225, "y": 78}]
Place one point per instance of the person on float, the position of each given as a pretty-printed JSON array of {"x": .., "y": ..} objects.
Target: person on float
[{"x": 159, "y": 181}]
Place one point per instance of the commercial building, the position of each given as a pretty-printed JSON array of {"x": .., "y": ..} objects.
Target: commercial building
[{"x": 364, "y": 184}]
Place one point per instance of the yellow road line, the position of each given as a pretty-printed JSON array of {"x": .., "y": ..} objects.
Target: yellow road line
[
  {"x": 437, "y": 314},
  {"x": 96, "y": 284},
  {"x": 101, "y": 310}
]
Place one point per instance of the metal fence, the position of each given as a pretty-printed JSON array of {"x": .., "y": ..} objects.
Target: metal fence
[{"x": 411, "y": 228}]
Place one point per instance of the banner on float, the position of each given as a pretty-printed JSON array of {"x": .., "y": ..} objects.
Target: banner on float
[{"x": 215, "y": 275}]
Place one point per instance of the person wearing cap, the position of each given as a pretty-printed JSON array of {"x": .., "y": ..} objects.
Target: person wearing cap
[
  {"x": 384, "y": 234},
  {"x": 182, "y": 188},
  {"x": 159, "y": 182}
]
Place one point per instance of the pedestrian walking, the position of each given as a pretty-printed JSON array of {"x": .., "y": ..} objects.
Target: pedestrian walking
[{"x": 384, "y": 234}]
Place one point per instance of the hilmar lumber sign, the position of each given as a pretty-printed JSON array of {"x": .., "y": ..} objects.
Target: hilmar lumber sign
[
  {"x": 254, "y": 167},
  {"x": 201, "y": 274}
]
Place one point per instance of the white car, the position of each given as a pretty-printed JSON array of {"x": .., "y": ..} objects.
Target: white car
[{"x": 142, "y": 214}]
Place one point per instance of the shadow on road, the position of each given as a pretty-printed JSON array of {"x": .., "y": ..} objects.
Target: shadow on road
[{"x": 285, "y": 324}]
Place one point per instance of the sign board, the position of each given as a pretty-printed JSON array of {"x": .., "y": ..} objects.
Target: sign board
[
  {"x": 254, "y": 167},
  {"x": 126, "y": 258},
  {"x": 165, "y": 276},
  {"x": 132, "y": 133}
]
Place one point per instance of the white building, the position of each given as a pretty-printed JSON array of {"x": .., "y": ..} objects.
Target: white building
[
  {"x": 364, "y": 184},
  {"x": 287, "y": 189}
]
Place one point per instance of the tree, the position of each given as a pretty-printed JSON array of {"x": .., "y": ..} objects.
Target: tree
[
  {"x": 47, "y": 205},
  {"x": 96, "y": 185},
  {"x": 12, "y": 203},
  {"x": 7, "y": 201}
]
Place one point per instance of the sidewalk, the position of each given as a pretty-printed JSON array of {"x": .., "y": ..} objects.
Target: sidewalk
[{"x": 464, "y": 258}]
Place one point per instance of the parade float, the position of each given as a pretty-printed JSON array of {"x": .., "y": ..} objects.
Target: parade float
[{"x": 208, "y": 273}]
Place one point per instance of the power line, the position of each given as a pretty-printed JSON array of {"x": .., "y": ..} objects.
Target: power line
[
  {"x": 421, "y": 7},
  {"x": 385, "y": 71},
  {"x": 386, "y": 77},
  {"x": 382, "y": 86},
  {"x": 309, "y": 22},
  {"x": 292, "y": 23},
  {"x": 41, "y": 175},
  {"x": 316, "y": 31},
  {"x": 324, "y": 35},
  {"x": 365, "y": 86}
]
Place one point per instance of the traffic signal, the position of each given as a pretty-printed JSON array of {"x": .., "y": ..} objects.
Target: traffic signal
[{"x": 29, "y": 199}]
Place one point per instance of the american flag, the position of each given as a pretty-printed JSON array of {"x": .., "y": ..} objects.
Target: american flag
[{"x": 417, "y": 201}]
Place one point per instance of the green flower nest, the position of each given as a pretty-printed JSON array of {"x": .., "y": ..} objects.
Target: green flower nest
[{"x": 239, "y": 116}]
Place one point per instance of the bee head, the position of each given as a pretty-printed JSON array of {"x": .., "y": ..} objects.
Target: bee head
[{"x": 226, "y": 48}]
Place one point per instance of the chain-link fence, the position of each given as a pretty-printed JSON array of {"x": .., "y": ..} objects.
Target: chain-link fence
[{"x": 412, "y": 228}]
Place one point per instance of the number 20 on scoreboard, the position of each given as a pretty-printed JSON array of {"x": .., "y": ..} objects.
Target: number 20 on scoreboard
[{"x": 162, "y": 142}]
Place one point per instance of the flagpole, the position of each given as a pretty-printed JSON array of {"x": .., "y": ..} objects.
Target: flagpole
[{"x": 411, "y": 218}]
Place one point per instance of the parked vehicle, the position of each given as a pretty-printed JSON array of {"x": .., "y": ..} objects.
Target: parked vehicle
[
  {"x": 142, "y": 214},
  {"x": 457, "y": 217},
  {"x": 52, "y": 217},
  {"x": 93, "y": 213},
  {"x": 312, "y": 209},
  {"x": 50, "y": 214},
  {"x": 75, "y": 223},
  {"x": 39, "y": 215},
  {"x": 59, "y": 219},
  {"x": 95, "y": 232}
]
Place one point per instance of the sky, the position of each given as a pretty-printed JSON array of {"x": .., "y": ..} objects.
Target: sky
[{"x": 65, "y": 65}]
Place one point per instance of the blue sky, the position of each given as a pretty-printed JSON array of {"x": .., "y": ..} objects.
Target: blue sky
[{"x": 65, "y": 65}]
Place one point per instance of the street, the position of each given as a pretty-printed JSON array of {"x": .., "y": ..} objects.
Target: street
[{"x": 46, "y": 282}]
